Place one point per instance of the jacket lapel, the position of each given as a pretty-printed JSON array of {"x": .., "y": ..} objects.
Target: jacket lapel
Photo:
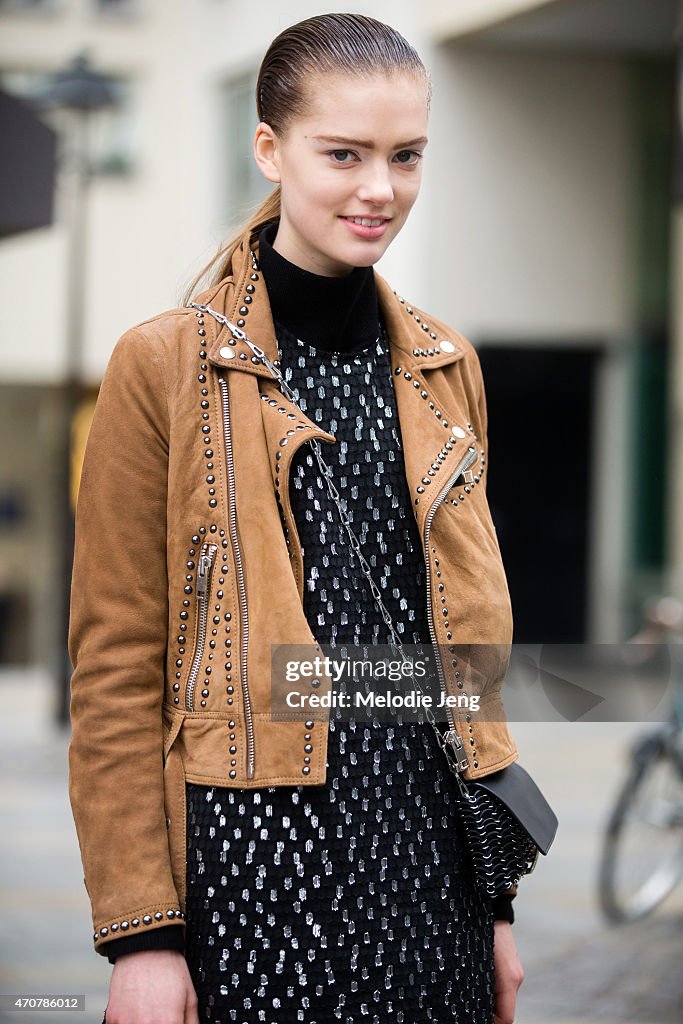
[{"x": 433, "y": 439}]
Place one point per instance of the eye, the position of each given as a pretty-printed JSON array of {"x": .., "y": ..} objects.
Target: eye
[
  {"x": 334, "y": 152},
  {"x": 410, "y": 152}
]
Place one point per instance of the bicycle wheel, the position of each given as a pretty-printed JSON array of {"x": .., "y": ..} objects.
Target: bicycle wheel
[{"x": 642, "y": 855}]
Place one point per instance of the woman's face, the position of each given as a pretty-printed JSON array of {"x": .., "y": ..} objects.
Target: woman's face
[{"x": 357, "y": 153}]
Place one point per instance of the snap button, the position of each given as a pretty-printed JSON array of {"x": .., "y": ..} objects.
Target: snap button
[
  {"x": 447, "y": 346},
  {"x": 227, "y": 352},
  {"x": 459, "y": 432}
]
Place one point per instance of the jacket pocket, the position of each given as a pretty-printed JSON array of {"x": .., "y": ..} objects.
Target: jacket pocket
[
  {"x": 207, "y": 560},
  {"x": 173, "y": 723}
]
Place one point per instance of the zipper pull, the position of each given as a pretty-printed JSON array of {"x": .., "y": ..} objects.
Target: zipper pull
[
  {"x": 471, "y": 457},
  {"x": 457, "y": 749},
  {"x": 205, "y": 560}
]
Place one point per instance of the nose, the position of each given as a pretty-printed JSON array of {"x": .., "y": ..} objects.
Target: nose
[{"x": 375, "y": 185}]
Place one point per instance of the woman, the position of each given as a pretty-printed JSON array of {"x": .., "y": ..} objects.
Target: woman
[{"x": 243, "y": 868}]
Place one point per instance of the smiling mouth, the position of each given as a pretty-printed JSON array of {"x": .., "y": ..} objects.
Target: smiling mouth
[{"x": 370, "y": 222}]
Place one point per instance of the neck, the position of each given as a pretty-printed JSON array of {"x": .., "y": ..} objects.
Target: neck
[{"x": 331, "y": 313}]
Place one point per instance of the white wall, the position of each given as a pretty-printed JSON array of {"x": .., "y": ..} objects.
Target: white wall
[
  {"x": 448, "y": 18},
  {"x": 529, "y": 177}
]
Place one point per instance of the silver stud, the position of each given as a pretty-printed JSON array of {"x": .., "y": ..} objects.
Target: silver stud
[{"x": 147, "y": 919}]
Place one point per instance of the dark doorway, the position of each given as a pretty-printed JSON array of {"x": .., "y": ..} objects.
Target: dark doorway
[{"x": 541, "y": 445}]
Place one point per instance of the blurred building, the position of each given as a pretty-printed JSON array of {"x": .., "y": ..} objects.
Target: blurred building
[{"x": 545, "y": 231}]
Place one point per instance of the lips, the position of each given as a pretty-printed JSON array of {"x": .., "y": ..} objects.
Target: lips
[
  {"x": 369, "y": 228},
  {"x": 367, "y": 221}
]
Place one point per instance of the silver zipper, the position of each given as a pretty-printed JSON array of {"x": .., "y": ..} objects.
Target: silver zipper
[
  {"x": 248, "y": 715},
  {"x": 205, "y": 565},
  {"x": 452, "y": 735}
]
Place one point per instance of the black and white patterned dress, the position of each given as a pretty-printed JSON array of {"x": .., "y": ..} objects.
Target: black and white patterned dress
[{"x": 351, "y": 901}]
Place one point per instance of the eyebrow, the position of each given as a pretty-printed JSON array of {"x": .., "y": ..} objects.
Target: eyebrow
[{"x": 367, "y": 143}]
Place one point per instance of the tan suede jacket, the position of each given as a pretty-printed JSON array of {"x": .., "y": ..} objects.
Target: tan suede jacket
[{"x": 188, "y": 568}]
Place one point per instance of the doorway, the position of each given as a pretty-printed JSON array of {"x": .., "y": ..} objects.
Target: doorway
[{"x": 539, "y": 494}]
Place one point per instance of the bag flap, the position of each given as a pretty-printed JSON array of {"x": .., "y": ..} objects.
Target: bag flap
[{"x": 515, "y": 788}]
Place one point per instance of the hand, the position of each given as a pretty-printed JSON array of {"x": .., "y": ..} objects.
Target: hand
[
  {"x": 508, "y": 970},
  {"x": 152, "y": 986}
]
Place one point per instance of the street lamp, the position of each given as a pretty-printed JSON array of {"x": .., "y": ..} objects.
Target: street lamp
[{"x": 81, "y": 92}]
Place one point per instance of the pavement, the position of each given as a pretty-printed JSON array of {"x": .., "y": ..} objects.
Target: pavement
[{"x": 577, "y": 968}]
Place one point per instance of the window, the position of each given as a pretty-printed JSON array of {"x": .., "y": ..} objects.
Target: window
[
  {"x": 114, "y": 133},
  {"x": 246, "y": 186},
  {"x": 116, "y": 8},
  {"x": 29, "y": 6}
]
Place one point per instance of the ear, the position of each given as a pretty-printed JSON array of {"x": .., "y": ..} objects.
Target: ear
[{"x": 266, "y": 152}]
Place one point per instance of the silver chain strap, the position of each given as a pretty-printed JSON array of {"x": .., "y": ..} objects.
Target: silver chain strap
[{"x": 449, "y": 742}]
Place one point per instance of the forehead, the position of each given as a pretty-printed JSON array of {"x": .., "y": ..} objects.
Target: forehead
[{"x": 379, "y": 104}]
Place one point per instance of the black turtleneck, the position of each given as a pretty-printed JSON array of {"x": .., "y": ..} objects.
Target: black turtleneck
[{"x": 332, "y": 313}]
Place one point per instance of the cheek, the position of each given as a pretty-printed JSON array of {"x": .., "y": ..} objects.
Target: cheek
[
  {"x": 408, "y": 192},
  {"x": 316, "y": 192}
]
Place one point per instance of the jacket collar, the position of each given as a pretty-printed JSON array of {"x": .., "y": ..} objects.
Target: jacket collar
[
  {"x": 436, "y": 437},
  {"x": 243, "y": 299}
]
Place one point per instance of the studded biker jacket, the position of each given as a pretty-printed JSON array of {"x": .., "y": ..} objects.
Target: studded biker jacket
[{"x": 188, "y": 567}]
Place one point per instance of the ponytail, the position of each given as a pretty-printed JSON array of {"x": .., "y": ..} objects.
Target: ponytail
[{"x": 218, "y": 266}]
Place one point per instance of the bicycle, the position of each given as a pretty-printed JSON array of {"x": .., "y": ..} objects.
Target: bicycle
[{"x": 641, "y": 860}]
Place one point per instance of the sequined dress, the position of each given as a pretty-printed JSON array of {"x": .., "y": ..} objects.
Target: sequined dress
[{"x": 351, "y": 901}]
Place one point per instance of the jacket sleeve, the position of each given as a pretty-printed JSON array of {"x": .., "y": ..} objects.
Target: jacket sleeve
[
  {"x": 117, "y": 645},
  {"x": 171, "y": 936},
  {"x": 502, "y": 907},
  {"x": 482, "y": 425}
]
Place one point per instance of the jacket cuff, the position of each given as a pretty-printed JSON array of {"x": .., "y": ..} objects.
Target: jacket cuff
[
  {"x": 171, "y": 936},
  {"x": 502, "y": 908}
]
